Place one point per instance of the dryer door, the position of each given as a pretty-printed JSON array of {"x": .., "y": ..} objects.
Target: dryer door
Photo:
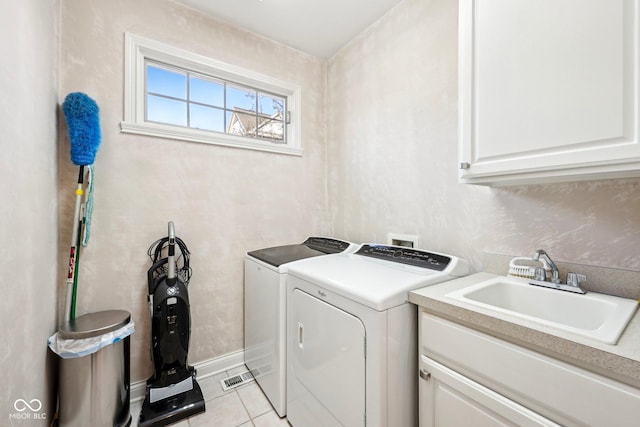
[{"x": 328, "y": 365}]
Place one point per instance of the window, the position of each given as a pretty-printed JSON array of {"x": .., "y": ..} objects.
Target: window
[{"x": 180, "y": 95}]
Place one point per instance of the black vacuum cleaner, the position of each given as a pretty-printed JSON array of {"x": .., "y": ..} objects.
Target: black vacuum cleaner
[{"x": 172, "y": 392}]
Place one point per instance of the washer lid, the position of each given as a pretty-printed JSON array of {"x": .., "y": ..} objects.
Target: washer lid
[
  {"x": 279, "y": 255},
  {"x": 94, "y": 324},
  {"x": 312, "y": 247}
]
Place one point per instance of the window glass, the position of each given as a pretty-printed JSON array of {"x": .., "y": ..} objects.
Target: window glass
[
  {"x": 239, "y": 98},
  {"x": 207, "y": 118},
  {"x": 166, "y": 110},
  {"x": 271, "y": 129},
  {"x": 161, "y": 81},
  {"x": 270, "y": 105},
  {"x": 241, "y": 123},
  {"x": 206, "y": 91}
]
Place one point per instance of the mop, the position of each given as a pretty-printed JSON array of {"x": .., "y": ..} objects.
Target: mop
[{"x": 83, "y": 125}]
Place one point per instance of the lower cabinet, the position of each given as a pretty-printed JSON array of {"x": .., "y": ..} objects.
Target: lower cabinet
[
  {"x": 448, "y": 399},
  {"x": 468, "y": 378}
]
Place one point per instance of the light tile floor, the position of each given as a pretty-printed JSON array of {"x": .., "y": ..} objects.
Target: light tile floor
[{"x": 243, "y": 406}]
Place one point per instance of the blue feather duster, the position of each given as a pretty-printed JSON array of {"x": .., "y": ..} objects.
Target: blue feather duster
[{"x": 83, "y": 123}]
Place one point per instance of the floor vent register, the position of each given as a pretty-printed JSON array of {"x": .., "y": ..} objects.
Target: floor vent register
[{"x": 236, "y": 380}]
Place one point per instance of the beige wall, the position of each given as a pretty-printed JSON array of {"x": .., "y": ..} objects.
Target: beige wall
[
  {"x": 224, "y": 201},
  {"x": 28, "y": 253},
  {"x": 392, "y": 150},
  {"x": 390, "y": 166},
  {"x": 380, "y": 156}
]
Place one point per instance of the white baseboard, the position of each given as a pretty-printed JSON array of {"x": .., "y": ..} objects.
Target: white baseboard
[{"x": 204, "y": 369}]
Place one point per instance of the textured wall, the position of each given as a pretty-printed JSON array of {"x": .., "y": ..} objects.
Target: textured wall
[
  {"x": 224, "y": 201},
  {"x": 386, "y": 161},
  {"x": 392, "y": 150},
  {"x": 28, "y": 253}
]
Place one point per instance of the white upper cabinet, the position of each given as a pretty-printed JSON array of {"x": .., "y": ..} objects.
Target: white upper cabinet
[{"x": 548, "y": 90}]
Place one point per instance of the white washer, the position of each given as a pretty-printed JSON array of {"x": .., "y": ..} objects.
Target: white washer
[
  {"x": 265, "y": 310},
  {"x": 352, "y": 341}
]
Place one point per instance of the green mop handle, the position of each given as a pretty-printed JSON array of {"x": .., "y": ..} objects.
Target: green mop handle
[{"x": 69, "y": 311}]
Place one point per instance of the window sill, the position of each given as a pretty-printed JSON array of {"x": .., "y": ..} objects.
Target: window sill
[{"x": 194, "y": 135}]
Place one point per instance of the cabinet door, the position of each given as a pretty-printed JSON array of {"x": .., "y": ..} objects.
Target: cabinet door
[
  {"x": 448, "y": 399},
  {"x": 548, "y": 90}
]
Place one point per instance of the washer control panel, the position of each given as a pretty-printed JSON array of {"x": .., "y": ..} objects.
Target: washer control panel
[{"x": 408, "y": 256}]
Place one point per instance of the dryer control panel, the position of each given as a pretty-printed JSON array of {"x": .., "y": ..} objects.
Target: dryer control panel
[{"x": 408, "y": 256}]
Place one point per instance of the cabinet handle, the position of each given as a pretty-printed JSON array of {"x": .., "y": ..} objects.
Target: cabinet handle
[
  {"x": 425, "y": 375},
  {"x": 465, "y": 165}
]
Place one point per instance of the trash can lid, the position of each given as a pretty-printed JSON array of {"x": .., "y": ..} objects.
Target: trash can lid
[{"x": 94, "y": 324}]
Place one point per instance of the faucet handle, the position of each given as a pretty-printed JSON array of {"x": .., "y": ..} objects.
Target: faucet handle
[
  {"x": 574, "y": 279},
  {"x": 540, "y": 274}
]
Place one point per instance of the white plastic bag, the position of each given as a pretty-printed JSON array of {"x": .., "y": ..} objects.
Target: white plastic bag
[{"x": 68, "y": 349}]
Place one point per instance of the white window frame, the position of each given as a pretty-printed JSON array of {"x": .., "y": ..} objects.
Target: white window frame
[{"x": 139, "y": 49}]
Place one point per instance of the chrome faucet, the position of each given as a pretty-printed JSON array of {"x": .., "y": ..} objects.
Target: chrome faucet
[
  {"x": 540, "y": 279},
  {"x": 555, "y": 274}
]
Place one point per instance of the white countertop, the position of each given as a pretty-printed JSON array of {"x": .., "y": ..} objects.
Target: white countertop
[{"x": 620, "y": 362}]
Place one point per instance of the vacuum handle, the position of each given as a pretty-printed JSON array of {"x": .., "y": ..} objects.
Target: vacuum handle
[{"x": 171, "y": 273}]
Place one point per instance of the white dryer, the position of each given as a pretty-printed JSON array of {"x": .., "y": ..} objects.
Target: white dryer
[
  {"x": 265, "y": 310},
  {"x": 352, "y": 341}
]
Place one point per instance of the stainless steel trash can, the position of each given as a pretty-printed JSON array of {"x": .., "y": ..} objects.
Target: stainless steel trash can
[{"x": 94, "y": 389}]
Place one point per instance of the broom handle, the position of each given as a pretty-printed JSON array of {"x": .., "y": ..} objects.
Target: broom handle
[
  {"x": 72, "y": 316},
  {"x": 74, "y": 248},
  {"x": 171, "y": 264}
]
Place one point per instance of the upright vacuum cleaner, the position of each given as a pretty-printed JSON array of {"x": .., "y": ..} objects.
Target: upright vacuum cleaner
[{"x": 172, "y": 392}]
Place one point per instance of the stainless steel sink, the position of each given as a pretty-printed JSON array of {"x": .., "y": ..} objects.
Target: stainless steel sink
[{"x": 597, "y": 316}]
